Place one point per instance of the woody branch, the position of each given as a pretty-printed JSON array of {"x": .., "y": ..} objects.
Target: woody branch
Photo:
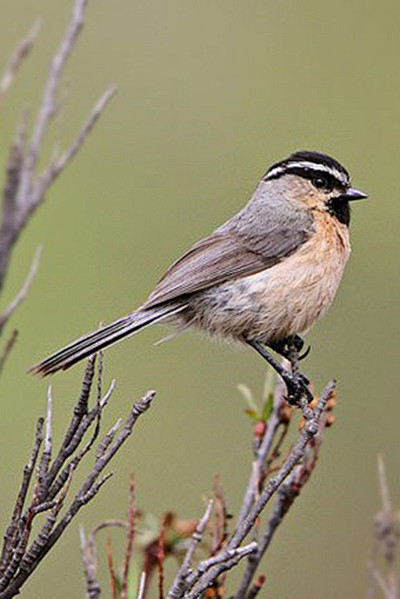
[{"x": 24, "y": 189}]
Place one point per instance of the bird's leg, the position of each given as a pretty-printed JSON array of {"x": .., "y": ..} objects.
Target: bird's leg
[
  {"x": 290, "y": 348},
  {"x": 295, "y": 382}
]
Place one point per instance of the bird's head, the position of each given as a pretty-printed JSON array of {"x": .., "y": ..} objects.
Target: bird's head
[{"x": 316, "y": 180}]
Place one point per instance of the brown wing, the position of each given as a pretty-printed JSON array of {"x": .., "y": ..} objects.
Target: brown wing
[{"x": 224, "y": 256}]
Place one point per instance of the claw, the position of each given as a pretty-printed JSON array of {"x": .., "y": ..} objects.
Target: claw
[
  {"x": 297, "y": 388},
  {"x": 305, "y": 353}
]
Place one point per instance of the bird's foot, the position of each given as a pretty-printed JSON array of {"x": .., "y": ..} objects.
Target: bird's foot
[
  {"x": 305, "y": 353},
  {"x": 297, "y": 388},
  {"x": 296, "y": 383}
]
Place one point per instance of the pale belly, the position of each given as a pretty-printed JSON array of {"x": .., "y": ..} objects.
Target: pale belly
[{"x": 278, "y": 302}]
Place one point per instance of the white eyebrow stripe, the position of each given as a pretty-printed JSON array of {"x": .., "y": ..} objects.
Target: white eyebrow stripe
[{"x": 311, "y": 166}]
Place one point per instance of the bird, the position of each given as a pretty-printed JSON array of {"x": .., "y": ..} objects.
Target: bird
[{"x": 262, "y": 279}]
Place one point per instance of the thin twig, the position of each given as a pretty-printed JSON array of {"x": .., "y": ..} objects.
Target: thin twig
[
  {"x": 179, "y": 584},
  {"x": 48, "y": 106},
  {"x": 230, "y": 556},
  {"x": 111, "y": 569},
  {"x": 10, "y": 537},
  {"x": 142, "y": 586},
  {"x": 45, "y": 500},
  {"x": 130, "y": 535},
  {"x": 8, "y": 349},
  {"x": 24, "y": 191},
  {"x": 257, "y": 471},
  {"x": 46, "y": 455},
  {"x": 256, "y": 588},
  {"x": 23, "y": 292},
  {"x": 386, "y": 541},
  {"x": 383, "y": 486},
  {"x": 54, "y": 169},
  {"x": 247, "y": 521},
  {"x": 93, "y": 589},
  {"x": 20, "y": 53}
]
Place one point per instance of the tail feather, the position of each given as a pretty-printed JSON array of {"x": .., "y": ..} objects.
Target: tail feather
[{"x": 97, "y": 340}]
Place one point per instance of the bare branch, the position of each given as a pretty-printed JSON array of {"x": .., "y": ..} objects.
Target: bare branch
[
  {"x": 285, "y": 497},
  {"x": 11, "y": 536},
  {"x": 54, "y": 169},
  {"x": 13, "y": 174},
  {"x": 107, "y": 440},
  {"x": 387, "y": 538},
  {"x": 24, "y": 191},
  {"x": 226, "y": 560},
  {"x": 111, "y": 568},
  {"x": 8, "y": 349},
  {"x": 258, "y": 468},
  {"x": 89, "y": 555},
  {"x": 130, "y": 535},
  {"x": 246, "y": 522},
  {"x": 43, "y": 468},
  {"x": 50, "y": 493},
  {"x": 93, "y": 588},
  {"x": 49, "y": 102},
  {"x": 20, "y": 53},
  {"x": 383, "y": 486},
  {"x": 142, "y": 586},
  {"x": 256, "y": 588},
  {"x": 178, "y": 586},
  {"x": 23, "y": 292}
]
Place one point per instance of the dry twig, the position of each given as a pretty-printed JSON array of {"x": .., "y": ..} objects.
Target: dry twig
[
  {"x": 387, "y": 538},
  {"x": 19, "y": 559},
  {"x": 8, "y": 349},
  {"x": 24, "y": 190},
  {"x": 130, "y": 535},
  {"x": 20, "y": 53},
  {"x": 179, "y": 584},
  {"x": 291, "y": 476},
  {"x": 93, "y": 588}
]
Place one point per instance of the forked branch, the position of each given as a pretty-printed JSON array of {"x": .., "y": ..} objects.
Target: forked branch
[
  {"x": 47, "y": 480},
  {"x": 24, "y": 190}
]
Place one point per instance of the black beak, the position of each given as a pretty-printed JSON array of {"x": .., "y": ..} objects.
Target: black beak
[{"x": 354, "y": 194}]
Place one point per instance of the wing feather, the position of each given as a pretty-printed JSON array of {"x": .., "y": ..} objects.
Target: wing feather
[{"x": 223, "y": 256}]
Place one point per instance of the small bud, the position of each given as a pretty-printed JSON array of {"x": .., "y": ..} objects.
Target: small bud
[
  {"x": 259, "y": 429},
  {"x": 331, "y": 404},
  {"x": 185, "y": 528},
  {"x": 286, "y": 413},
  {"x": 330, "y": 419}
]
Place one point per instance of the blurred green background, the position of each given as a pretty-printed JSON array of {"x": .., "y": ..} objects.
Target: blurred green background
[{"x": 210, "y": 94}]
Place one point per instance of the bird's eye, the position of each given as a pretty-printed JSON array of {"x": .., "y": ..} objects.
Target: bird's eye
[{"x": 321, "y": 182}]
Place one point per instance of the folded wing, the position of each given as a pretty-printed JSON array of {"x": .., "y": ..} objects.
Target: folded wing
[{"x": 223, "y": 256}]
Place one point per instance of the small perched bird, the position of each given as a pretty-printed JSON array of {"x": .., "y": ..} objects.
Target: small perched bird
[{"x": 262, "y": 278}]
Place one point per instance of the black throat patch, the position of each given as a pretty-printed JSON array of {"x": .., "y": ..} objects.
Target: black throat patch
[{"x": 340, "y": 209}]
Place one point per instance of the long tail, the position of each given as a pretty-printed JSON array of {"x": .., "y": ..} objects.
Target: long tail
[{"x": 93, "y": 342}]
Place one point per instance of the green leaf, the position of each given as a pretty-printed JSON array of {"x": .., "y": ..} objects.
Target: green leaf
[
  {"x": 248, "y": 396},
  {"x": 253, "y": 414},
  {"x": 269, "y": 385},
  {"x": 268, "y": 407}
]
